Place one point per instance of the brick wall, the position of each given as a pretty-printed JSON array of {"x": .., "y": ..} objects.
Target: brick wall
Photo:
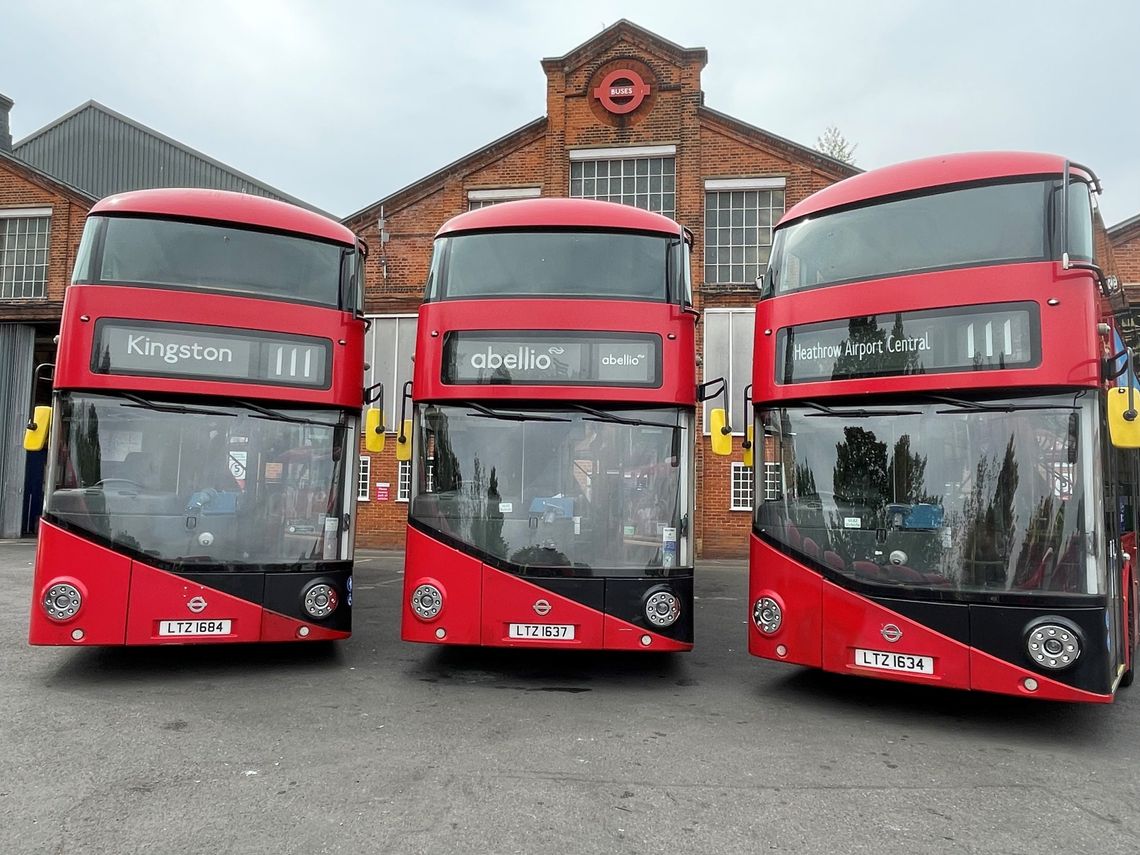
[
  {"x": 1126, "y": 250},
  {"x": 18, "y": 190}
]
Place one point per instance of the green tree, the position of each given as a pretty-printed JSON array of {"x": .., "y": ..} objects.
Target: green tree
[{"x": 832, "y": 143}]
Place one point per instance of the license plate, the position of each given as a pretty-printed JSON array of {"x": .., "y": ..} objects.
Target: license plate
[
  {"x": 195, "y": 627},
  {"x": 560, "y": 631},
  {"x": 894, "y": 661}
]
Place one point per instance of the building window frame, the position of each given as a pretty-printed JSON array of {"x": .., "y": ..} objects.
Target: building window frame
[
  {"x": 363, "y": 478},
  {"x": 484, "y": 198},
  {"x": 404, "y": 481},
  {"x": 741, "y": 490},
  {"x": 773, "y": 480},
  {"x": 25, "y": 249},
  {"x": 646, "y": 176},
  {"x": 740, "y": 216}
]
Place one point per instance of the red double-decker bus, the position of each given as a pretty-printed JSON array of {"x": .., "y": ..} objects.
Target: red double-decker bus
[
  {"x": 555, "y": 393},
  {"x": 204, "y": 426},
  {"x": 938, "y": 498}
]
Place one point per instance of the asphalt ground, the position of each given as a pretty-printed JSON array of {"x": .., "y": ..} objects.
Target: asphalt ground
[{"x": 375, "y": 745}]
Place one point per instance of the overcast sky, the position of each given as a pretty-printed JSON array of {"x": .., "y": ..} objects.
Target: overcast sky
[{"x": 343, "y": 103}]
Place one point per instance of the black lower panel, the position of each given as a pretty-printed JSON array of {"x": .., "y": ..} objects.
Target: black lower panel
[
  {"x": 949, "y": 619},
  {"x": 244, "y": 586},
  {"x": 283, "y": 592},
  {"x": 1001, "y": 631},
  {"x": 589, "y": 592},
  {"x": 625, "y": 598}
]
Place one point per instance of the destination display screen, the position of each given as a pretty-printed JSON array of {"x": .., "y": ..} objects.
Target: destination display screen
[
  {"x": 210, "y": 353},
  {"x": 552, "y": 358},
  {"x": 972, "y": 338}
]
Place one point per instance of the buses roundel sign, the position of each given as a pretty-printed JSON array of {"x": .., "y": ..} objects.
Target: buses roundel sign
[{"x": 621, "y": 91}]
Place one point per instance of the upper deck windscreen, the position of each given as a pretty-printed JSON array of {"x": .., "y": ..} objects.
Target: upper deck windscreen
[
  {"x": 561, "y": 264},
  {"x": 215, "y": 257},
  {"x": 979, "y": 225}
]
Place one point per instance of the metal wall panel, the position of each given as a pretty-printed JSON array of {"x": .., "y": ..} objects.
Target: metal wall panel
[
  {"x": 102, "y": 154},
  {"x": 16, "y": 355}
]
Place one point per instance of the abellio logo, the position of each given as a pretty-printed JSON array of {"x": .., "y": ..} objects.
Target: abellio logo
[
  {"x": 621, "y": 359},
  {"x": 522, "y": 358}
]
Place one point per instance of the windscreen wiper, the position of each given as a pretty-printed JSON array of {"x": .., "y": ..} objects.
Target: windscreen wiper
[
  {"x": 278, "y": 415},
  {"x": 181, "y": 409},
  {"x": 487, "y": 412},
  {"x": 603, "y": 416},
  {"x": 988, "y": 407},
  {"x": 860, "y": 413}
]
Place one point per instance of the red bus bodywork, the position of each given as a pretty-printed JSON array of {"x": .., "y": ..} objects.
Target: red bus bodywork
[
  {"x": 125, "y": 597},
  {"x": 482, "y": 598},
  {"x": 975, "y": 642}
]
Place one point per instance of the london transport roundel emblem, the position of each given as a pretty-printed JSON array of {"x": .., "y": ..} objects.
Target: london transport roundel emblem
[
  {"x": 196, "y": 605},
  {"x": 891, "y": 633},
  {"x": 541, "y": 607},
  {"x": 621, "y": 91}
]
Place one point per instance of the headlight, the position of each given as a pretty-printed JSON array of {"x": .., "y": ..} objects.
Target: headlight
[
  {"x": 427, "y": 602},
  {"x": 62, "y": 601},
  {"x": 768, "y": 615},
  {"x": 662, "y": 608},
  {"x": 320, "y": 600},
  {"x": 1054, "y": 646}
]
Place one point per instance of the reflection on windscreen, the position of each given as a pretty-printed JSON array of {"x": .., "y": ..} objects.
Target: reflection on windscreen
[
  {"x": 944, "y": 498},
  {"x": 576, "y": 492},
  {"x": 221, "y": 258},
  {"x": 227, "y": 487},
  {"x": 551, "y": 264},
  {"x": 981, "y": 225}
]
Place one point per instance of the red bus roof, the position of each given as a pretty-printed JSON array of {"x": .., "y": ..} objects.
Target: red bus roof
[
  {"x": 559, "y": 213},
  {"x": 927, "y": 173},
  {"x": 226, "y": 207}
]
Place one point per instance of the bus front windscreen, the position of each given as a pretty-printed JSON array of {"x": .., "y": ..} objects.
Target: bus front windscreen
[
  {"x": 213, "y": 257},
  {"x": 984, "y": 498},
  {"x": 991, "y": 224},
  {"x": 579, "y": 491},
  {"x": 622, "y": 266},
  {"x": 216, "y": 486}
]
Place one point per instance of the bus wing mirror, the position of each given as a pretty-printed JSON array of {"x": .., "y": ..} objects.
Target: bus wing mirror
[
  {"x": 374, "y": 430},
  {"x": 719, "y": 436},
  {"x": 748, "y": 454},
  {"x": 36, "y": 433},
  {"x": 1123, "y": 423},
  {"x": 404, "y": 441}
]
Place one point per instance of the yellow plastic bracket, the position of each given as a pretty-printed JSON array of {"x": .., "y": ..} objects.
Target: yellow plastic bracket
[
  {"x": 374, "y": 430},
  {"x": 404, "y": 441},
  {"x": 35, "y": 437},
  {"x": 721, "y": 442}
]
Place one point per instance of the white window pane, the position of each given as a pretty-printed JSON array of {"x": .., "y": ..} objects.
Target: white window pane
[
  {"x": 743, "y": 326},
  {"x": 363, "y": 477}
]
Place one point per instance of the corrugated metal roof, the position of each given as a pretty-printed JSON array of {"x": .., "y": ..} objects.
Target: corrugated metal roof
[{"x": 103, "y": 152}]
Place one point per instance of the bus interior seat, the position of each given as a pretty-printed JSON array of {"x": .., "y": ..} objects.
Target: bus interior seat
[
  {"x": 904, "y": 574},
  {"x": 811, "y": 549},
  {"x": 139, "y": 467},
  {"x": 870, "y": 571},
  {"x": 835, "y": 561}
]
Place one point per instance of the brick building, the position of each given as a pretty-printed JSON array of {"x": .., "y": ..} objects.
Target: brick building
[
  {"x": 48, "y": 182},
  {"x": 659, "y": 148},
  {"x": 1124, "y": 239}
]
